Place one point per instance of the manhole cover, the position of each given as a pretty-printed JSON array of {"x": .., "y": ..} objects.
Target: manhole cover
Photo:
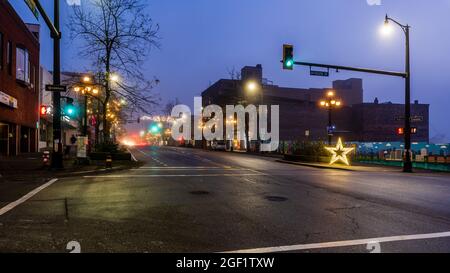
[
  {"x": 276, "y": 198},
  {"x": 199, "y": 192}
]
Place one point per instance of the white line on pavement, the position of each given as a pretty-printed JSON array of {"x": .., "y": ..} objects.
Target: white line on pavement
[
  {"x": 23, "y": 199},
  {"x": 175, "y": 175},
  {"x": 344, "y": 243},
  {"x": 132, "y": 156},
  {"x": 187, "y": 167}
]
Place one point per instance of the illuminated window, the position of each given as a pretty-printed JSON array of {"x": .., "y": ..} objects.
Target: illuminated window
[
  {"x": 22, "y": 65},
  {"x": 9, "y": 57}
]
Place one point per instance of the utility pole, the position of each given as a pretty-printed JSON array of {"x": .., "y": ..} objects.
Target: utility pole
[
  {"x": 57, "y": 161},
  {"x": 407, "y": 164},
  {"x": 57, "y": 156}
]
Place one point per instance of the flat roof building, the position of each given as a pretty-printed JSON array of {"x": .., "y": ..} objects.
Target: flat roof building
[
  {"x": 19, "y": 83},
  {"x": 302, "y": 118}
]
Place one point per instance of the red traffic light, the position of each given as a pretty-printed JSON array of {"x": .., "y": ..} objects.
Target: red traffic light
[
  {"x": 401, "y": 131},
  {"x": 43, "y": 110}
]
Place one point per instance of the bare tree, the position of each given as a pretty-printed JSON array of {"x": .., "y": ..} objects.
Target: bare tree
[
  {"x": 118, "y": 34},
  {"x": 170, "y": 105},
  {"x": 234, "y": 74}
]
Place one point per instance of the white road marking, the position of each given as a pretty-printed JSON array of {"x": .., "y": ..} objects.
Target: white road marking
[
  {"x": 132, "y": 156},
  {"x": 175, "y": 175},
  {"x": 178, "y": 170},
  {"x": 23, "y": 199},
  {"x": 175, "y": 167},
  {"x": 344, "y": 243},
  {"x": 153, "y": 158}
]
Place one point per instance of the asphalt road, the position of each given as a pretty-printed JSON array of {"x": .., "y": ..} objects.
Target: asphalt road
[{"x": 186, "y": 200}]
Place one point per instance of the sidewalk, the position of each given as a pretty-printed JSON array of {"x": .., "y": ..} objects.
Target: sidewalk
[
  {"x": 30, "y": 166},
  {"x": 358, "y": 167}
]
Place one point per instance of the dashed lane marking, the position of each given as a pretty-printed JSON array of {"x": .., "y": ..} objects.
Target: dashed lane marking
[{"x": 153, "y": 158}]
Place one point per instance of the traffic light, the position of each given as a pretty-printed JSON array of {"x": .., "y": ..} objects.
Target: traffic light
[
  {"x": 70, "y": 110},
  {"x": 155, "y": 129},
  {"x": 43, "y": 110},
  {"x": 288, "y": 57},
  {"x": 401, "y": 131}
]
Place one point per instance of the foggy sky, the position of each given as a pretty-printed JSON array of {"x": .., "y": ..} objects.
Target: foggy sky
[{"x": 201, "y": 39}]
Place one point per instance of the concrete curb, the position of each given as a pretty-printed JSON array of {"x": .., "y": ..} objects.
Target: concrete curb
[{"x": 315, "y": 165}]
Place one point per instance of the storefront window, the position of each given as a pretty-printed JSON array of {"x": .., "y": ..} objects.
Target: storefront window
[{"x": 22, "y": 65}]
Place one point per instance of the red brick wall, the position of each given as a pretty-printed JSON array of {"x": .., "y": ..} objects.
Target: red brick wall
[{"x": 14, "y": 30}]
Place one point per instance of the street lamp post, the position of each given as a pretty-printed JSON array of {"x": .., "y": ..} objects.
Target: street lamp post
[
  {"x": 407, "y": 165},
  {"x": 330, "y": 102},
  {"x": 86, "y": 91},
  {"x": 252, "y": 86}
]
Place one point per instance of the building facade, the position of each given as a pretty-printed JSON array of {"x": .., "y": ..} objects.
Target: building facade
[
  {"x": 302, "y": 117},
  {"x": 19, "y": 83}
]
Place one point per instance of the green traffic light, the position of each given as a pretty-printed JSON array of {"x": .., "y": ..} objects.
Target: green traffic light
[
  {"x": 155, "y": 129},
  {"x": 289, "y": 63},
  {"x": 70, "y": 110}
]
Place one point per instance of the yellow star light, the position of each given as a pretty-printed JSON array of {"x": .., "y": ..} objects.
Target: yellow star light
[{"x": 339, "y": 153}]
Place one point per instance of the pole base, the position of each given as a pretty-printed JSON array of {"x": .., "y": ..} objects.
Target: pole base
[{"x": 57, "y": 161}]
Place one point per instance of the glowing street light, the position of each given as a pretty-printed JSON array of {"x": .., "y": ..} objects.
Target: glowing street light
[
  {"x": 86, "y": 79},
  {"x": 251, "y": 86},
  {"x": 330, "y": 102},
  {"x": 407, "y": 165},
  {"x": 114, "y": 77}
]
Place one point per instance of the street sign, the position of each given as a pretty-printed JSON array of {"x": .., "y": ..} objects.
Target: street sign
[
  {"x": 412, "y": 119},
  {"x": 56, "y": 88},
  {"x": 32, "y": 5},
  {"x": 319, "y": 73}
]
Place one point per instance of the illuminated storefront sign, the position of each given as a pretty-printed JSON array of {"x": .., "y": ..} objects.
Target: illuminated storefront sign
[{"x": 8, "y": 100}]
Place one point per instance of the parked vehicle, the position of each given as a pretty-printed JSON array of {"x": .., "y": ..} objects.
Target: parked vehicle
[{"x": 218, "y": 145}]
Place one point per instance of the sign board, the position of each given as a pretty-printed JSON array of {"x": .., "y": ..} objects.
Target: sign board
[
  {"x": 412, "y": 119},
  {"x": 32, "y": 5},
  {"x": 319, "y": 73},
  {"x": 56, "y": 88},
  {"x": 416, "y": 118},
  {"x": 8, "y": 100},
  {"x": 82, "y": 143}
]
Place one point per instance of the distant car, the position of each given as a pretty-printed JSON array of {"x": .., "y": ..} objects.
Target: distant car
[{"x": 218, "y": 146}]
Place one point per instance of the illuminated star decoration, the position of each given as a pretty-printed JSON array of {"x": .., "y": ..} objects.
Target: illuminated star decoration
[{"x": 339, "y": 153}]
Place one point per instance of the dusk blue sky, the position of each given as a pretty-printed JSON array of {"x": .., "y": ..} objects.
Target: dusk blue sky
[{"x": 202, "y": 38}]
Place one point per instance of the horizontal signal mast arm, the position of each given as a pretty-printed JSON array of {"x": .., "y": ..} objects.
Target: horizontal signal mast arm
[{"x": 364, "y": 70}]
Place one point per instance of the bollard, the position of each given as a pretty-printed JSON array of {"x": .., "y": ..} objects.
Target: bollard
[
  {"x": 108, "y": 161},
  {"x": 46, "y": 158}
]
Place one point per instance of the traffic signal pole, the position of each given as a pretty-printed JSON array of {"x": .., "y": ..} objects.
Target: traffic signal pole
[{"x": 57, "y": 156}]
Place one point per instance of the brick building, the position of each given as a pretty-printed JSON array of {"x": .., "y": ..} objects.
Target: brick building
[
  {"x": 19, "y": 83},
  {"x": 302, "y": 118}
]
